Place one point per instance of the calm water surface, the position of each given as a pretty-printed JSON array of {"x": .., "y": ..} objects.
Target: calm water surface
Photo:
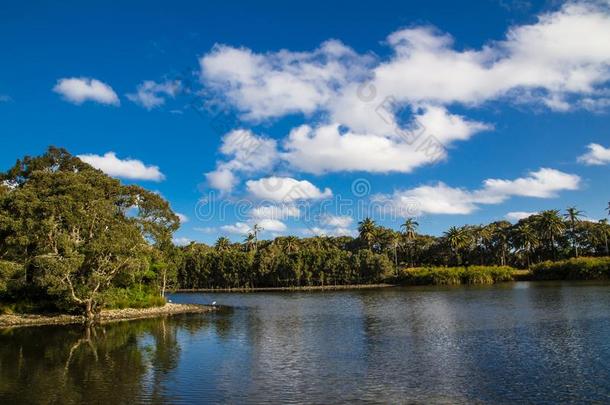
[{"x": 507, "y": 344}]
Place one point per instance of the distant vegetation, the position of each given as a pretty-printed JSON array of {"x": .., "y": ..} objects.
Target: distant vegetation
[
  {"x": 455, "y": 275},
  {"x": 74, "y": 239},
  {"x": 473, "y": 253},
  {"x": 583, "y": 268}
]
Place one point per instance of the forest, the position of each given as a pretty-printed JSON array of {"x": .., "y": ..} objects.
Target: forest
[
  {"x": 73, "y": 239},
  {"x": 380, "y": 254}
]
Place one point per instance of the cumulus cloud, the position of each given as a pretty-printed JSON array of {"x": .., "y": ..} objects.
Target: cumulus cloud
[
  {"x": 563, "y": 53},
  {"x": 272, "y": 225},
  {"x": 597, "y": 155},
  {"x": 560, "y": 61},
  {"x": 77, "y": 90},
  {"x": 150, "y": 94},
  {"x": 182, "y": 241},
  {"x": 443, "y": 199},
  {"x": 285, "y": 189},
  {"x": 246, "y": 153},
  {"x": 328, "y": 149},
  {"x": 280, "y": 211},
  {"x": 284, "y": 82},
  {"x": 331, "y": 225},
  {"x": 240, "y": 228},
  {"x": 222, "y": 179},
  {"x": 337, "y": 221},
  {"x": 132, "y": 169},
  {"x": 267, "y": 225},
  {"x": 518, "y": 215}
]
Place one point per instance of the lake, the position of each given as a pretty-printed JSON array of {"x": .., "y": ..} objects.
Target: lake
[{"x": 505, "y": 344}]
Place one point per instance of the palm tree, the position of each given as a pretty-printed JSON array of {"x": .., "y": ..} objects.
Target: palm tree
[
  {"x": 458, "y": 239},
  {"x": 223, "y": 243},
  {"x": 410, "y": 232},
  {"x": 573, "y": 215},
  {"x": 290, "y": 244},
  {"x": 394, "y": 240},
  {"x": 603, "y": 224},
  {"x": 527, "y": 240},
  {"x": 550, "y": 226},
  {"x": 410, "y": 227},
  {"x": 367, "y": 229},
  {"x": 255, "y": 230},
  {"x": 249, "y": 241}
]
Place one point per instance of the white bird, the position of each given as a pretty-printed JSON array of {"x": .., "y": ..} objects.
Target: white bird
[{"x": 214, "y": 303}]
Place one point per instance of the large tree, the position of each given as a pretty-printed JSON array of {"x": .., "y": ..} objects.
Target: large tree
[{"x": 76, "y": 230}]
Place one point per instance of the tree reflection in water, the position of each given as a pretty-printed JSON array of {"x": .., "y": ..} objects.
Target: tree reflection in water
[{"x": 124, "y": 362}]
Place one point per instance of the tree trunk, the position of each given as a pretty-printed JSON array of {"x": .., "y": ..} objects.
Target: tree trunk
[
  {"x": 164, "y": 283},
  {"x": 89, "y": 313}
]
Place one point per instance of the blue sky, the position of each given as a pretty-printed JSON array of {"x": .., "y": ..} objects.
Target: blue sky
[{"x": 245, "y": 106}]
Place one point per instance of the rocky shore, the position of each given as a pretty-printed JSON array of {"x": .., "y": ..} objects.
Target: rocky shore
[{"x": 112, "y": 315}]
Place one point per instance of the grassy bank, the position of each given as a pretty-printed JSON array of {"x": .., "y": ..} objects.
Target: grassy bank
[
  {"x": 109, "y": 315},
  {"x": 454, "y": 275},
  {"x": 582, "y": 268}
]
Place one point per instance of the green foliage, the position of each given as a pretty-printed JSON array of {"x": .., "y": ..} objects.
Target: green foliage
[
  {"x": 133, "y": 297},
  {"x": 285, "y": 262},
  {"x": 72, "y": 233},
  {"x": 10, "y": 274},
  {"x": 583, "y": 268},
  {"x": 455, "y": 275}
]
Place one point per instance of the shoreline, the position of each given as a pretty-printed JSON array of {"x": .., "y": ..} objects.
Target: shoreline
[
  {"x": 106, "y": 316},
  {"x": 296, "y": 288}
]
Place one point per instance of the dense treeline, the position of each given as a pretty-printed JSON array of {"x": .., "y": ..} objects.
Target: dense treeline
[
  {"x": 378, "y": 253},
  {"x": 75, "y": 239}
]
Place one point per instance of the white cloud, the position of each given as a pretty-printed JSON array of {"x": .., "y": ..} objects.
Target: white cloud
[
  {"x": 246, "y": 153},
  {"x": 328, "y": 149},
  {"x": 563, "y": 54},
  {"x": 284, "y": 82},
  {"x": 4, "y": 98},
  {"x": 77, "y": 90},
  {"x": 132, "y": 169},
  {"x": 282, "y": 211},
  {"x": 443, "y": 199},
  {"x": 240, "y": 228},
  {"x": 318, "y": 231},
  {"x": 544, "y": 183},
  {"x": 560, "y": 61},
  {"x": 182, "y": 241},
  {"x": 183, "y": 218},
  {"x": 272, "y": 225},
  {"x": 337, "y": 221},
  {"x": 518, "y": 215},
  {"x": 222, "y": 179},
  {"x": 267, "y": 225},
  {"x": 331, "y": 225},
  {"x": 597, "y": 155},
  {"x": 150, "y": 94},
  {"x": 285, "y": 189}
]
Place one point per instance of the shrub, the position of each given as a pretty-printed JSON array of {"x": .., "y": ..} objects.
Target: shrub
[
  {"x": 455, "y": 275},
  {"x": 133, "y": 297},
  {"x": 582, "y": 268}
]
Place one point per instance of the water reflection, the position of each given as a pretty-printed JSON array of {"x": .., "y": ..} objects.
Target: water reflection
[{"x": 535, "y": 343}]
